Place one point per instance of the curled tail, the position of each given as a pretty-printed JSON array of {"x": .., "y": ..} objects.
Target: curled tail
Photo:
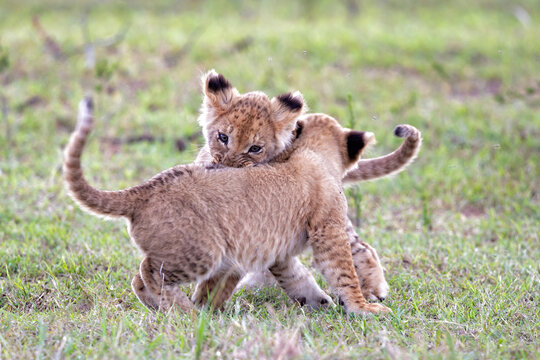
[
  {"x": 396, "y": 161},
  {"x": 109, "y": 203}
]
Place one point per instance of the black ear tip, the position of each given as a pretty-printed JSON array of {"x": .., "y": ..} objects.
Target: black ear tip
[
  {"x": 355, "y": 143},
  {"x": 218, "y": 82},
  {"x": 291, "y": 101}
]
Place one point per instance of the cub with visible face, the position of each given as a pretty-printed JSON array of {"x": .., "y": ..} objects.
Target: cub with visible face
[
  {"x": 211, "y": 225},
  {"x": 248, "y": 129},
  {"x": 245, "y": 129}
]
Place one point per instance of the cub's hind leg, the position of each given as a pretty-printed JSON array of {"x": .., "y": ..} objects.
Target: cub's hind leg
[
  {"x": 299, "y": 284},
  {"x": 368, "y": 267},
  {"x": 217, "y": 289},
  {"x": 142, "y": 293},
  {"x": 332, "y": 255},
  {"x": 161, "y": 285}
]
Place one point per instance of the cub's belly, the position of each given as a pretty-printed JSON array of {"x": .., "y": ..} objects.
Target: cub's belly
[{"x": 260, "y": 255}]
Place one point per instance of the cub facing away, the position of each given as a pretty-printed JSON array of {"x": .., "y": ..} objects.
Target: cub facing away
[
  {"x": 195, "y": 223},
  {"x": 248, "y": 129}
]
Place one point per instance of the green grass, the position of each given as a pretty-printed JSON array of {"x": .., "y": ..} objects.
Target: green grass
[{"x": 457, "y": 232}]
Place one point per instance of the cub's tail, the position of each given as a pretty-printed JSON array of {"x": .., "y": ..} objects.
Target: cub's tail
[
  {"x": 108, "y": 203},
  {"x": 396, "y": 161}
]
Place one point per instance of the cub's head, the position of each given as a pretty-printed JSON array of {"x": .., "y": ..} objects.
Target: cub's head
[{"x": 246, "y": 129}]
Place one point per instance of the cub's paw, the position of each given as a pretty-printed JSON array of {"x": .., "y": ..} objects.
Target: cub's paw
[
  {"x": 172, "y": 298},
  {"x": 369, "y": 309},
  {"x": 369, "y": 271},
  {"x": 374, "y": 308},
  {"x": 378, "y": 308},
  {"x": 314, "y": 302}
]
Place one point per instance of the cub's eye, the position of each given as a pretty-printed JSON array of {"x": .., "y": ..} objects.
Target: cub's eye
[
  {"x": 255, "y": 149},
  {"x": 223, "y": 138}
]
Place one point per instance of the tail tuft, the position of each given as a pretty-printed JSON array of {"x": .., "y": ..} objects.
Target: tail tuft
[
  {"x": 86, "y": 111},
  {"x": 407, "y": 131},
  {"x": 367, "y": 169},
  {"x": 108, "y": 203},
  {"x": 89, "y": 103},
  {"x": 400, "y": 131}
]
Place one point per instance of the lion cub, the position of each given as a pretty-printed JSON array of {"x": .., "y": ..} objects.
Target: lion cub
[
  {"x": 240, "y": 132},
  {"x": 196, "y": 223}
]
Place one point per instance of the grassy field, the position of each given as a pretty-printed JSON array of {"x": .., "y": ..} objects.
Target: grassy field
[{"x": 458, "y": 232}]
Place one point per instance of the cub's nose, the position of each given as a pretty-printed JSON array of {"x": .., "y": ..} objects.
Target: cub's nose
[{"x": 381, "y": 298}]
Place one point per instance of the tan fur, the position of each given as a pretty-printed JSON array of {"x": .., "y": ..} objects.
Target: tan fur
[{"x": 194, "y": 223}]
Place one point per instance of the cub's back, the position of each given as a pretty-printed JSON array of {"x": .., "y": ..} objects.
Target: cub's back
[{"x": 228, "y": 205}]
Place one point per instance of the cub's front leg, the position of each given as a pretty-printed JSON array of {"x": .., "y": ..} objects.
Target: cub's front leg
[
  {"x": 299, "y": 284},
  {"x": 332, "y": 255},
  {"x": 368, "y": 266}
]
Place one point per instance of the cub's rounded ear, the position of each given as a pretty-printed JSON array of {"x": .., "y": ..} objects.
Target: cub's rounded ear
[
  {"x": 218, "y": 91},
  {"x": 357, "y": 142},
  {"x": 288, "y": 105},
  {"x": 286, "y": 108}
]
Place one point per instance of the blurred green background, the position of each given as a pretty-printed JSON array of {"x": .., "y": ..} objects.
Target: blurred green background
[{"x": 457, "y": 232}]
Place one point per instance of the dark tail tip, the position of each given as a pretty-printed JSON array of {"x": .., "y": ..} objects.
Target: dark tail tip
[
  {"x": 89, "y": 103},
  {"x": 400, "y": 131}
]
